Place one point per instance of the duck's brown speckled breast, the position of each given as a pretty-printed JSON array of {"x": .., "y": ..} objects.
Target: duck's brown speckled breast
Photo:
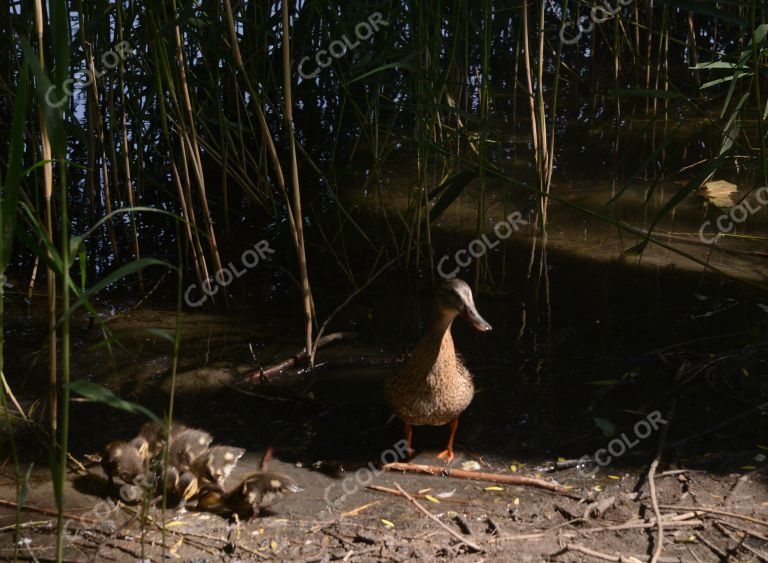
[{"x": 430, "y": 391}]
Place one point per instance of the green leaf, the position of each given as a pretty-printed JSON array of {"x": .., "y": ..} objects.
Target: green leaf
[
  {"x": 668, "y": 140},
  {"x": 735, "y": 76},
  {"x": 98, "y": 394},
  {"x": 402, "y": 64},
  {"x": 450, "y": 190},
  {"x": 733, "y": 126},
  {"x": 607, "y": 427},
  {"x": 122, "y": 272},
  {"x": 693, "y": 185},
  {"x": 718, "y": 64},
  {"x": 24, "y": 492},
  {"x": 45, "y": 91}
]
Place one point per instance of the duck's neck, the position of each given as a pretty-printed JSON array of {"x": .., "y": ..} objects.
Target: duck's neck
[{"x": 436, "y": 347}]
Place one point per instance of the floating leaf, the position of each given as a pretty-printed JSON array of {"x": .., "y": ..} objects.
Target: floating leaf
[
  {"x": 516, "y": 502},
  {"x": 430, "y": 498},
  {"x": 748, "y": 467},
  {"x": 513, "y": 468},
  {"x": 470, "y": 466},
  {"x": 616, "y": 477},
  {"x": 387, "y": 523},
  {"x": 597, "y": 488},
  {"x": 446, "y": 494},
  {"x": 494, "y": 488},
  {"x": 718, "y": 192}
]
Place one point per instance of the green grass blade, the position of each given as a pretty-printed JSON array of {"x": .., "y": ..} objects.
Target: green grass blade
[
  {"x": 98, "y": 394},
  {"x": 122, "y": 272}
]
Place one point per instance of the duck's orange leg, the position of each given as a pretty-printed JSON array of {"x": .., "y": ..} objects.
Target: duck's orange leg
[
  {"x": 448, "y": 452},
  {"x": 409, "y": 438}
]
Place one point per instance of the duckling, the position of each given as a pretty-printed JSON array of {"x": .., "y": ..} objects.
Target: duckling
[
  {"x": 181, "y": 486},
  {"x": 434, "y": 387},
  {"x": 215, "y": 465},
  {"x": 256, "y": 491},
  {"x": 188, "y": 445},
  {"x": 126, "y": 460},
  {"x": 154, "y": 433}
]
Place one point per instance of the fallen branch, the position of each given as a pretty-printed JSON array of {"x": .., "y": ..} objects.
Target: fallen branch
[
  {"x": 537, "y": 535},
  {"x": 606, "y": 557},
  {"x": 716, "y": 550},
  {"x": 740, "y": 541},
  {"x": 346, "y": 302},
  {"x": 707, "y": 510},
  {"x": 652, "y": 486},
  {"x": 359, "y": 509},
  {"x": 641, "y": 525},
  {"x": 435, "y": 519},
  {"x": 380, "y": 489},
  {"x": 290, "y": 362},
  {"x": 747, "y": 531},
  {"x": 480, "y": 476},
  {"x": 47, "y": 512}
]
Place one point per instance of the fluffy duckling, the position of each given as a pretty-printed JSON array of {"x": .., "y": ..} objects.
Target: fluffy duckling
[
  {"x": 187, "y": 446},
  {"x": 154, "y": 433},
  {"x": 215, "y": 465},
  {"x": 434, "y": 386},
  {"x": 181, "y": 487},
  {"x": 256, "y": 491},
  {"x": 126, "y": 460}
]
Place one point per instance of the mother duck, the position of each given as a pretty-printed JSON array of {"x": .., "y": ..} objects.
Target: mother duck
[{"x": 434, "y": 386}]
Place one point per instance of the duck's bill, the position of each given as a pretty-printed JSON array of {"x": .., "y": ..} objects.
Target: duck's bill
[{"x": 474, "y": 318}]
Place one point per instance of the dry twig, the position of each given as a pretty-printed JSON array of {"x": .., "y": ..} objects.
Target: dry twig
[
  {"x": 652, "y": 486},
  {"x": 435, "y": 519},
  {"x": 290, "y": 362},
  {"x": 606, "y": 557},
  {"x": 480, "y": 476},
  {"x": 708, "y": 510}
]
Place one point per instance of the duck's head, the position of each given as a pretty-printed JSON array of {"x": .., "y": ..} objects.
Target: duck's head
[
  {"x": 141, "y": 446},
  {"x": 454, "y": 297}
]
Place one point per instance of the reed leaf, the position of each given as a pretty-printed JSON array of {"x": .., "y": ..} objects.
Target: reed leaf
[{"x": 99, "y": 394}]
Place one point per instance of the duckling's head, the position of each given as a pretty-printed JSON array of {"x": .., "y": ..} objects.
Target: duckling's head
[
  {"x": 454, "y": 297},
  {"x": 141, "y": 446}
]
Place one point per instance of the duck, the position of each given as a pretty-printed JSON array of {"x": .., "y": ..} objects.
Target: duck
[
  {"x": 181, "y": 486},
  {"x": 126, "y": 460},
  {"x": 254, "y": 492},
  {"x": 187, "y": 446},
  {"x": 154, "y": 433},
  {"x": 216, "y": 464},
  {"x": 433, "y": 387}
]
